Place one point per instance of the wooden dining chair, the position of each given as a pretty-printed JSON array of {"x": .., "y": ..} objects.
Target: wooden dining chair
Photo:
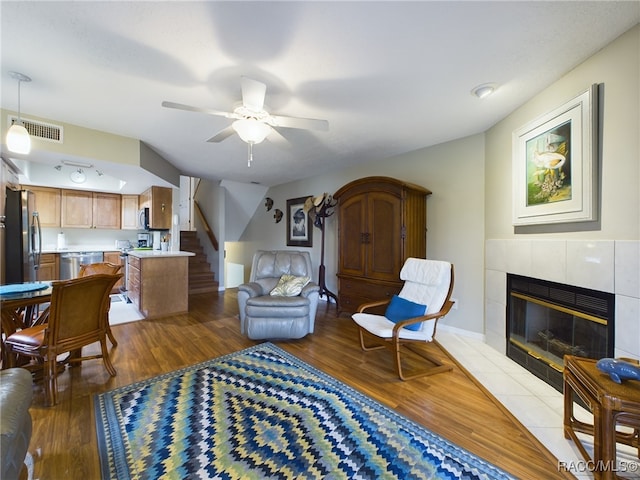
[
  {"x": 77, "y": 316},
  {"x": 102, "y": 267}
]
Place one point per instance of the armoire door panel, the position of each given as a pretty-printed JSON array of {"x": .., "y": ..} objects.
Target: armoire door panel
[
  {"x": 352, "y": 226},
  {"x": 384, "y": 227},
  {"x": 381, "y": 222}
]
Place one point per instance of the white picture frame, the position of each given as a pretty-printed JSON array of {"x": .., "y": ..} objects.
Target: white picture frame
[{"x": 555, "y": 164}]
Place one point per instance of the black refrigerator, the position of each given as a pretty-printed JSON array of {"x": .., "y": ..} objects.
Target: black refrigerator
[{"x": 23, "y": 237}]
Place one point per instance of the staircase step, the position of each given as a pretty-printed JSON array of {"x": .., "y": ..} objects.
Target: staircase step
[
  {"x": 206, "y": 289},
  {"x": 201, "y": 278}
]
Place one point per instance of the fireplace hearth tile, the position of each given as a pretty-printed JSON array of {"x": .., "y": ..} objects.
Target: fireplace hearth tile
[
  {"x": 627, "y": 331},
  {"x": 531, "y": 410},
  {"x": 549, "y": 260},
  {"x": 519, "y": 256},
  {"x": 466, "y": 349},
  {"x": 500, "y": 384},
  {"x": 590, "y": 264},
  {"x": 627, "y": 266}
]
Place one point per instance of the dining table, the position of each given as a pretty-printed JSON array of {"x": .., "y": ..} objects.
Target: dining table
[{"x": 22, "y": 305}]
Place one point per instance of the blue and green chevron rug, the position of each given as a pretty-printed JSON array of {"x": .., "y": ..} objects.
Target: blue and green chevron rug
[{"x": 263, "y": 413}]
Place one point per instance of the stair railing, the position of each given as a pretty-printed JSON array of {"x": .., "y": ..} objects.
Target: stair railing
[{"x": 207, "y": 229}]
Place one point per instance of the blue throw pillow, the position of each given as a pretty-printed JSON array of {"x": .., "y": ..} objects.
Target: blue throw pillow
[{"x": 402, "y": 309}]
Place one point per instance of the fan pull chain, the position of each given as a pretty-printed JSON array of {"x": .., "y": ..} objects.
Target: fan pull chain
[{"x": 250, "y": 154}]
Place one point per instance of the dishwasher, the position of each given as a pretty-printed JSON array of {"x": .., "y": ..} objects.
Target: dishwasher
[{"x": 70, "y": 262}]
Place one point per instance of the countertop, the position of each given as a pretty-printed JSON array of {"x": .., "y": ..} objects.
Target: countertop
[
  {"x": 159, "y": 253},
  {"x": 111, "y": 248},
  {"x": 79, "y": 248}
]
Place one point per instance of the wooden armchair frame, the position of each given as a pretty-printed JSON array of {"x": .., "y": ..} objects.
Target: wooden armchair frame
[
  {"x": 76, "y": 317},
  {"x": 109, "y": 269},
  {"x": 396, "y": 342}
]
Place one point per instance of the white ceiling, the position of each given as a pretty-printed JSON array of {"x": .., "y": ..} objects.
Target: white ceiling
[{"x": 390, "y": 77}]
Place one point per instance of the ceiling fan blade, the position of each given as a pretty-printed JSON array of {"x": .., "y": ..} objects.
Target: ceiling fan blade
[
  {"x": 295, "y": 122},
  {"x": 278, "y": 139},
  {"x": 189, "y": 108},
  {"x": 222, "y": 134},
  {"x": 253, "y": 93}
]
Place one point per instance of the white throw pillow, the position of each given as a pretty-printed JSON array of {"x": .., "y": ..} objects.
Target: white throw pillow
[{"x": 290, "y": 285}]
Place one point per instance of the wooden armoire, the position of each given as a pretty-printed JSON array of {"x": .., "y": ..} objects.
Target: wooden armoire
[{"x": 381, "y": 222}]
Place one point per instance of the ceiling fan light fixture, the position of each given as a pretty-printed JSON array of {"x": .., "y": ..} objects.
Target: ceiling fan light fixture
[
  {"x": 484, "y": 90},
  {"x": 251, "y": 130}
]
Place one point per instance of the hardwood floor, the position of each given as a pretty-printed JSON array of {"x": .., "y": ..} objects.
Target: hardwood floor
[{"x": 451, "y": 404}]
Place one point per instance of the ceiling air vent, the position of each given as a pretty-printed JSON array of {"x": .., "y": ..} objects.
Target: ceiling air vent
[{"x": 44, "y": 131}]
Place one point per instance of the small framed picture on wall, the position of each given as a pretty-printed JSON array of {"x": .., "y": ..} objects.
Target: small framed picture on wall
[{"x": 299, "y": 231}]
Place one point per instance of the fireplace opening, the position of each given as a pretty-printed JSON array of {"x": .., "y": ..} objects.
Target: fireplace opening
[{"x": 547, "y": 320}]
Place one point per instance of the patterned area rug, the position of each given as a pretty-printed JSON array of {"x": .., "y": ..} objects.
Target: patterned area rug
[{"x": 263, "y": 413}]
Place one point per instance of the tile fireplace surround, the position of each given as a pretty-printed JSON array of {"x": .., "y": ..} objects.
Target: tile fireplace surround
[{"x": 607, "y": 265}]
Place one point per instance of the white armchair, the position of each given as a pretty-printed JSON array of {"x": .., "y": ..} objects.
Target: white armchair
[{"x": 412, "y": 315}]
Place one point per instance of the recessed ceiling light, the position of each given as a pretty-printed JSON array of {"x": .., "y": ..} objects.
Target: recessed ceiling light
[{"x": 484, "y": 90}]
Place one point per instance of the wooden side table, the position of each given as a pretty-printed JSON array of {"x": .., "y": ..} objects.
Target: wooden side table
[{"x": 612, "y": 404}]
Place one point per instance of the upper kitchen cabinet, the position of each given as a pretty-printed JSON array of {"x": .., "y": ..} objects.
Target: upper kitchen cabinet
[
  {"x": 129, "y": 214},
  {"x": 106, "y": 210},
  {"x": 81, "y": 209},
  {"x": 158, "y": 200},
  {"x": 47, "y": 205}
]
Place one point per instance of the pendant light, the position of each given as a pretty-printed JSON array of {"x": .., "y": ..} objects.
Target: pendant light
[{"x": 18, "y": 139}]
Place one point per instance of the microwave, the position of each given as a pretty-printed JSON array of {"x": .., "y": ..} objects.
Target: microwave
[{"x": 143, "y": 219}]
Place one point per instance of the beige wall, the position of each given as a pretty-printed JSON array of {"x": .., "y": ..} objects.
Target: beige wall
[
  {"x": 471, "y": 183},
  {"x": 617, "y": 67},
  {"x": 154, "y": 163},
  {"x": 602, "y": 255},
  {"x": 453, "y": 171},
  {"x": 83, "y": 142}
]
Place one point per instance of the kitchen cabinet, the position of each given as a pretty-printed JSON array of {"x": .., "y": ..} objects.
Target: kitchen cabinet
[
  {"x": 106, "y": 210},
  {"x": 49, "y": 267},
  {"x": 158, "y": 200},
  {"x": 47, "y": 205},
  {"x": 381, "y": 222},
  {"x": 82, "y": 209},
  {"x": 114, "y": 258},
  {"x": 159, "y": 285},
  {"x": 129, "y": 212},
  {"x": 77, "y": 209}
]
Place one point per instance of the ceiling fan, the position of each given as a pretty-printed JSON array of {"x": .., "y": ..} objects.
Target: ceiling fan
[{"x": 251, "y": 121}]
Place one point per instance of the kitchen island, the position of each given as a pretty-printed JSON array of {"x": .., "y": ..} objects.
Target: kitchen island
[{"x": 158, "y": 282}]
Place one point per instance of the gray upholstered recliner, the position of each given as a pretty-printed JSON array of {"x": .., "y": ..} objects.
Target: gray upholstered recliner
[
  {"x": 15, "y": 421},
  {"x": 264, "y": 316}
]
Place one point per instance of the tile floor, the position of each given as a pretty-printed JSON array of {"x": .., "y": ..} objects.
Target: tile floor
[
  {"x": 122, "y": 312},
  {"x": 538, "y": 406}
]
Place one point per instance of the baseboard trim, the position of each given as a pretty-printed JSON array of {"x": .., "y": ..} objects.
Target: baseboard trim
[{"x": 463, "y": 333}]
